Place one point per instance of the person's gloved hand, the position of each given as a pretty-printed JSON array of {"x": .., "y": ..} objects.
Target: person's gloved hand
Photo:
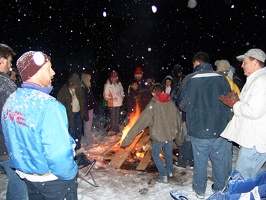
[{"x": 230, "y": 99}]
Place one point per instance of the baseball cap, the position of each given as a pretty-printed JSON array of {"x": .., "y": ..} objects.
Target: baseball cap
[{"x": 254, "y": 53}]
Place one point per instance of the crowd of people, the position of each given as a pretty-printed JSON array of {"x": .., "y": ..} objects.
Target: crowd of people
[{"x": 203, "y": 113}]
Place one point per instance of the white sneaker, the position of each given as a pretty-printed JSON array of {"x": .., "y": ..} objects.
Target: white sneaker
[
  {"x": 170, "y": 175},
  {"x": 199, "y": 196}
]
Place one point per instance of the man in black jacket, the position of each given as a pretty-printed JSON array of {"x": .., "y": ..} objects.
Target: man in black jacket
[{"x": 206, "y": 118}]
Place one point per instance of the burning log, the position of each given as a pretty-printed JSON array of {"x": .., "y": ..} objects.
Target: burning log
[
  {"x": 142, "y": 141},
  {"x": 122, "y": 154},
  {"x": 141, "y": 147},
  {"x": 147, "y": 157},
  {"x": 109, "y": 154}
]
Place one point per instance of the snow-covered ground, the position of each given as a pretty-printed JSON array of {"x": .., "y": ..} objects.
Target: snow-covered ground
[{"x": 127, "y": 184}]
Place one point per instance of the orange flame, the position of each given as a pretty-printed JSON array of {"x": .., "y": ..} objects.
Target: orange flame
[
  {"x": 132, "y": 120},
  {"x": 140, "y": 154}
]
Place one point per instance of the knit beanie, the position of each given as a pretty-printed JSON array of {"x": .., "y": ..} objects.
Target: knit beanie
[
  {"x": 30, "y": 63},
  {"x": 114, "y": 74},
  {"x": 138, "y": 74},
  {"x": 138, "y": 71},
  {"x": 222, "y": 65}
]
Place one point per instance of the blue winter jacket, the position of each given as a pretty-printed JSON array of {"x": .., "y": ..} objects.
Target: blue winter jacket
[
  {"x": 35, "y": 127},
  {"x": 198, "y": 95}
]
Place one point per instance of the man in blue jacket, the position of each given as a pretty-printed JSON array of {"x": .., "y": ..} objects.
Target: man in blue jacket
[
  {"x": 35, "y": 127},
  {"x": 206, "y": 118}
]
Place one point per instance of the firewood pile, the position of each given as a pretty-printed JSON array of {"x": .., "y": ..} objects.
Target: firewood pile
[{"x": 141, "y": 145}]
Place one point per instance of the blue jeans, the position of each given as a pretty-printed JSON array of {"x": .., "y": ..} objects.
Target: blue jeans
[
  {"x": 229, "y": 157},
  {"x": 114, "y": 112},
  {"x": 76, "y": 130},
  {"x": 16, "y": 188},
  {"x": 249, "y": 162},
  {"x": 53, "y": 190},
  {"x": 202, "y": 150},
  {"x": 168, "y": 154}
]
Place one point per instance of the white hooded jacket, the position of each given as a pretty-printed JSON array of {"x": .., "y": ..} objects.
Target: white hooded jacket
[{"x": 113, "y": 94}]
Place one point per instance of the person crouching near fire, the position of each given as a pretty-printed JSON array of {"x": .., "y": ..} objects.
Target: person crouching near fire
[
  {"x": 35, "y": 128},
  {"x": 164, "y": 122}
]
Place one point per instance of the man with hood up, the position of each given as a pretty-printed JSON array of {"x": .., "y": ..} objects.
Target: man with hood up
[
  {"x": 206, "y": 118},
  {"x": 71, "y": 96},
  {"x": 164, "y": 122}
]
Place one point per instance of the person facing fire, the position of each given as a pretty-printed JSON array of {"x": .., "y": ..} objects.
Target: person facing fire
[
  {"x": 138, "y": 75},
  {"x": 133, "y": 98},
  {"x": 145, "y": 94},
  {"x": 164, "y": 122}
]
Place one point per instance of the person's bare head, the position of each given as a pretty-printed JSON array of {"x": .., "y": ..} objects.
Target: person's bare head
[
  {"x": 156, "y": 89},
  {"x": 200, "y": 57},
  {"x": 6, "y": 54}
]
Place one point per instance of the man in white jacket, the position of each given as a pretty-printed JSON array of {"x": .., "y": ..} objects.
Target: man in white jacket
[{"x": 248, "y": 125}]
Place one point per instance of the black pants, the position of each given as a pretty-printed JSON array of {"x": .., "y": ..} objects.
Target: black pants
[{"x": 52, "y": 190}]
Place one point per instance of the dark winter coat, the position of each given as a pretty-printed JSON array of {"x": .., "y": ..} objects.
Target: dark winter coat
[
  {"x": 145, "y": 94},
  {"x": 132, "y": 99},
  {"x": 141, "y": 84},
  {"x": 7, "y": 87},
  {"x": 65, "y": 98},
  {"x": 161, "y": 116},
  {"x": 198, "y": 97},
  {"x": 89, "y": 101},
  {"x": 145, "y": 97}
]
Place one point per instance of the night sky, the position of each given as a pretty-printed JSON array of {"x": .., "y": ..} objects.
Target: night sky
[{"x": 78, "y": 35}]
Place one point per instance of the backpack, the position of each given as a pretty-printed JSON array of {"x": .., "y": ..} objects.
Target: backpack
[{"x": 244, "y": 189}]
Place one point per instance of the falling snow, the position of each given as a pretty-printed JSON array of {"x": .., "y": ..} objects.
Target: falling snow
[
  {"x": 106, "y": 35},
  {"x": 119, "y": 35}
]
